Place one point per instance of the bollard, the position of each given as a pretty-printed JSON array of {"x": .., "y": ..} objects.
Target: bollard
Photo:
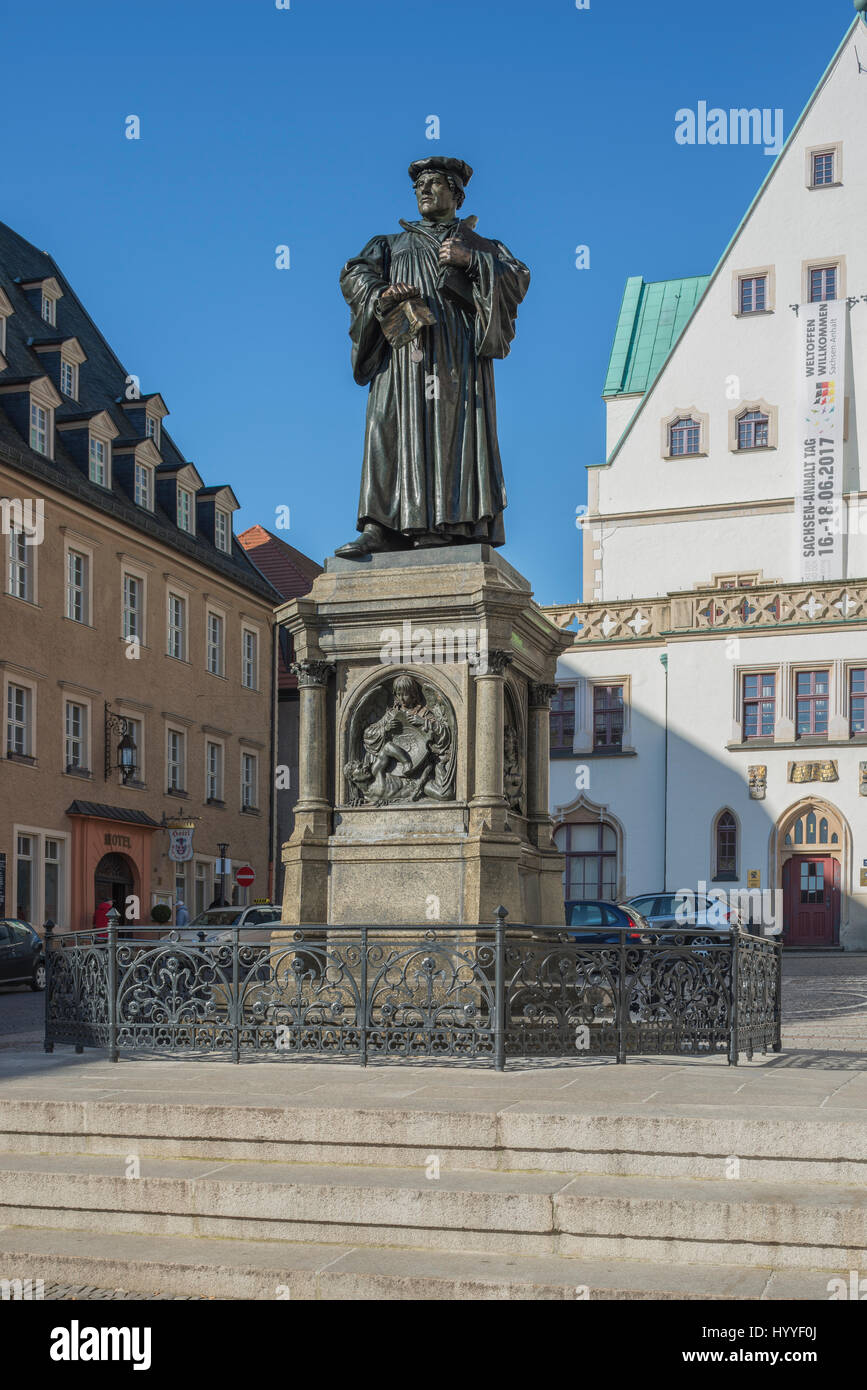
[{"x": 49, "y": 943}]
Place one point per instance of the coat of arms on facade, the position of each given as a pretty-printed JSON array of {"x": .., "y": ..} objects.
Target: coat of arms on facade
[
  {"x": 402, "y": 746},
  {"x": 758, "y": 781},
  {"x": 813, "y": 772},
  {"x": 862, "y": 778}
]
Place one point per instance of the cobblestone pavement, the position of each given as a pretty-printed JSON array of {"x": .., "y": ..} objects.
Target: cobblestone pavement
[{"x": 84, "y": 1292}]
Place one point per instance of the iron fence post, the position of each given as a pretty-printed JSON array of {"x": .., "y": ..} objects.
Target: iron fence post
[
  {"x": 621, "y": 999},
  {"x": 49, "y": 946},
  {"x": 778, "y": 996},
  {"x": 733, "y": 1017},
  {"x": 236, "y": 995},
  {"x": 500, "y": 989},
  {"x": 112, "y": 985},
  {"x": 365, "y": 1012}
]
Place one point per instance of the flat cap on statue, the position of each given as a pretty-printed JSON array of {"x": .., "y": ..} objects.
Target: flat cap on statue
[{"x": 458, "y": 167}]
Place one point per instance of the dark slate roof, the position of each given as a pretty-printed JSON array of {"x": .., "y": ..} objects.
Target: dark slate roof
[
  {"x": 102, "y": 812},
  {"x": 102, "y": 383}
]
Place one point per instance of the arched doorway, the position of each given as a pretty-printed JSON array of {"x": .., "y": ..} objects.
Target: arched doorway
[
  {"x": 114, "y": 879},
  {"x": 812, "y": 852}
]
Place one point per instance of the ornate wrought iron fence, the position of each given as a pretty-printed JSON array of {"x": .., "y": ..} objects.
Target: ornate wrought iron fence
[{"x": 477, "y": 994}]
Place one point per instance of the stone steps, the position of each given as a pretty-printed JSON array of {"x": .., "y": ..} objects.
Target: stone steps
[
  {"x": 207, "y": 1268},
  {"x": 688, "y": 1220}
]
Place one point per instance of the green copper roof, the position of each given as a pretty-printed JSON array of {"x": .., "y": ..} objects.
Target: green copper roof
[{"x": 652, "y": 318}]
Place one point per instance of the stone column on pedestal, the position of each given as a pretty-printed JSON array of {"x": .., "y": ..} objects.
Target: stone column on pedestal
[
  {"x": 538, "y": 755},
  {"x": 488, "y": 806},
  {"x": 305, "y": 855}
]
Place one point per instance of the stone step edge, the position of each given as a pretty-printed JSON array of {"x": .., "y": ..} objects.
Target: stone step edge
[{"x": 205, "y": 1271}]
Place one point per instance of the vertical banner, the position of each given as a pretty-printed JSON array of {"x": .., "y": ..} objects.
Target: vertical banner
[{"x": 819, "y": 511}]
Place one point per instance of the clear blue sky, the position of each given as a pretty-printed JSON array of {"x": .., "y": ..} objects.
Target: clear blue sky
[{"x": 262, "y": 127}]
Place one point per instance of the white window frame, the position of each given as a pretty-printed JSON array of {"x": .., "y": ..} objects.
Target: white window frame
[
  {"x": 14, "y": 565},
  {"x": 143, "y": 485},
  {"x": 223, "y": 534},
  {"x": 127, "y": 572},
  {"x": 39, "y": 834},
  {"x": 152, "y": 428},
  {"x": 72, "y": 368},
  {"x": 41, "y": 427},
  {"x": 170, "y": 627},
  {"x": 174, "y": 729},
  {"x": 20, "y": 683},
  {"x": 251, "y": 784},
  {"x": 84, "y": 553},
  {"x": 95, "y": 442},
  {"x": 78, "y": 702},
  {"x": 248, "y": 631},
  {"x": 215, "y": 652},
  {"x": 48, "y": 309},
  {"x": 833, "y": 148},
  {"x": 185, "y": 511},
  {"x": 220, "y": 783}
]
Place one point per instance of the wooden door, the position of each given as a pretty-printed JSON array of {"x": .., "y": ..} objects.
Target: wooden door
[{"x": 811, "y": 896}]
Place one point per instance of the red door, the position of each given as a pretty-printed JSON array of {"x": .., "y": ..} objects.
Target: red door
[{"x": 811, "y": 900}]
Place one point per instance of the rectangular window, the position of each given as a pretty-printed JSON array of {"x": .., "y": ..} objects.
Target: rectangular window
[
  {"x": 76, "y": 586},
  {"x": 204, "y": 886},
  {"x": 215, "y": 644},
  {"x": 143, "y": 486},
  {"x": 759, "y": 705},
  {"x": 19, "y": 727},
  {"x": 20, "y": 566},
  {"x": 38, "y": 428},
  {"x": 607, "y": 718},
  {"x": 823, "y": 284},
  {"x": 249, "y": 781},
  {"x": 563, "y": 717},
  {"x": 214, "y": 786},
  {"x": 98, "y": 470},
  {"x": 49, "y": 310},
  {"x": 52, "y": 880},
  {"x": 76, "y": 737},
  {"x": 858, "y": 701},
  {"x": 152, "y": 429},
  {"x": 69, "y": 379},
  {"x": 135, "y": 729},
  {"x": 811, "y": 703},
  {"x": 250, "y": 660},
  {"x": 221, "y": 530},
  {"x": 823, "y": 168},
  {"x": 177, "y": 627},
  {"x": 175, "y": 758},
  {"x": 185, "y": 509},
  {"x": 133, "y": 607},
  {"x": 754, "y": 292},
  {"x": 24, "y": 877}
]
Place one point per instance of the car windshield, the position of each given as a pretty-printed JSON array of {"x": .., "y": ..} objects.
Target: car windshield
[{"x": 217, "y": 917}]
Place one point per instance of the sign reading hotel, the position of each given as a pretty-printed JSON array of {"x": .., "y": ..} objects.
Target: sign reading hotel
[{"x": 819, "y": 488}]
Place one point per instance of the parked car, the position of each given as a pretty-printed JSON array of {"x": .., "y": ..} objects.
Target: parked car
[
  {"x": 215, "y": 924},
  {"x": 601, "y": 922},
  {"x": 22, "y": 957},
  {"x": 674, "y": 912}
]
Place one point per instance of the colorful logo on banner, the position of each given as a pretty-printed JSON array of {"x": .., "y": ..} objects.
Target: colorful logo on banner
[
  {"x": 819, "y": 506},
  {"x": 181, "y": 845}
]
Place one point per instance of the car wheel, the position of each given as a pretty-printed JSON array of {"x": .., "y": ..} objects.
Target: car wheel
[{"x": 38, "y": 981}]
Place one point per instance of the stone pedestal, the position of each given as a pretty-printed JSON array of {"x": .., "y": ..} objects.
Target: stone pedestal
[{"x": 425, "y": 678}]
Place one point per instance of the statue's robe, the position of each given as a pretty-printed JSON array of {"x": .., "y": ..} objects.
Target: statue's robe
[{"x": 431, "y": 457}]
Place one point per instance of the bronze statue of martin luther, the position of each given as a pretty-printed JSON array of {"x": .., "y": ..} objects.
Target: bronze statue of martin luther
[{"x": 432, "y": 306}]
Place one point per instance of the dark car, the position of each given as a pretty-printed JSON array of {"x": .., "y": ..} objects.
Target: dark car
[
  {"x": 600, "y": 923},
  {"x": 22, "y": 958}
]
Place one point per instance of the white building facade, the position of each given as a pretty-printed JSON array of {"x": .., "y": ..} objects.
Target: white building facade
[{"x": 710, "y": 721}]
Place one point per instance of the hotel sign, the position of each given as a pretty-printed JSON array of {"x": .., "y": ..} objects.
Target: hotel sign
[{"x": 819, "y": 484}]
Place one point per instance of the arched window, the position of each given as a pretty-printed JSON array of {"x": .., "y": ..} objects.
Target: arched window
[
  {"x": 753, "y": 430},
  {"x": 726, "y": 846},
  {"x": 591, "y": 860},
  {"x": 684, "y": 437}
]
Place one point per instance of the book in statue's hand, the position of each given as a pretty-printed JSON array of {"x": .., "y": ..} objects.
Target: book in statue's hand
[{"x": 404, "y": 323}]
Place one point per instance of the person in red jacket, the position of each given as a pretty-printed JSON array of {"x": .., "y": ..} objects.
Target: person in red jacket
[{"x": 100, "y": 918}]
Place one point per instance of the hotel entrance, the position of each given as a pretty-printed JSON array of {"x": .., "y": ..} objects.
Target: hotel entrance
[{"x": 114, "y": 879}]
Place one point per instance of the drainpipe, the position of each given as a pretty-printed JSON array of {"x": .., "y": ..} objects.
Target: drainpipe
[{"x": 664, "y": 663}]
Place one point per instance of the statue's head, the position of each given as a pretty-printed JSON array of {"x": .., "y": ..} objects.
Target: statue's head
[
  {"x": 406, "y": 692},
  {"x": 439, "y": 184}
]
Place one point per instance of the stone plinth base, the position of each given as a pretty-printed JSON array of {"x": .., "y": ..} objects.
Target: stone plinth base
[{"x": 425, "y": 678}]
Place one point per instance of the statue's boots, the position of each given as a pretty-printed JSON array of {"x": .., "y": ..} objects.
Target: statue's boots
[{"x": 373, "y": 538}]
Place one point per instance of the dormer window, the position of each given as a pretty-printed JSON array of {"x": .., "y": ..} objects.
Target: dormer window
[
  {"x": 221, "y": 530},
  {"x": 40, "y": 428},
  {"x": 69, "y": 379},
  {"x": 152, "y": 429},
  {"x": 49, "y": 309},
  {"x": 98, "y": 462},
  {"x": 5, "y": 312},
  {"x": 144, "y": 486},
  {"x": 185, "y": 510}
]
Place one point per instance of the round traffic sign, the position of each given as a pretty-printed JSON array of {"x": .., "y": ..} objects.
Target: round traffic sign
[{"x": 245, "y": 876}]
